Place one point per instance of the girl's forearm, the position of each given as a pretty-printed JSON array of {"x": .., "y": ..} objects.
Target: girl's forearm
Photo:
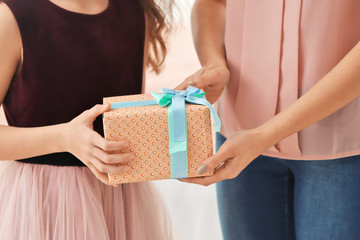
[
  {"x": 208, "y": 27},
  {"x": 338, "y": 88},
  {"x": 18, "y": 143}
]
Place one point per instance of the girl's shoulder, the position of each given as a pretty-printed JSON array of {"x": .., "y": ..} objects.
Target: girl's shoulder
[
  {"x": 9, "y": 30},
  {"x": 10, "y": 48},
  {"x": 17, "y": 9}
]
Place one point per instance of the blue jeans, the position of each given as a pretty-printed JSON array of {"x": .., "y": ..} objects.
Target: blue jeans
[{"x": 278, "y": 199}]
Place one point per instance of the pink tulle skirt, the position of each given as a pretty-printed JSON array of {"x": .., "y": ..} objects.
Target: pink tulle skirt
[{"x": 48, "y": 202}]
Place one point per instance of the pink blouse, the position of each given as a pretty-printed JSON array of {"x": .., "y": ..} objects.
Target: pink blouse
[{"x": 276, "y": 51}]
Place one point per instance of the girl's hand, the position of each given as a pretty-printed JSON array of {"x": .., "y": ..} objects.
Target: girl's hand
[
  {"x": 234, "y": 155},
  {"x": 92, "y": 149},
  {"x": 212, "y": 79}
]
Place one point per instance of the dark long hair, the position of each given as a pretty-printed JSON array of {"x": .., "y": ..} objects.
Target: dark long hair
[{"x": 159, "y": 16}]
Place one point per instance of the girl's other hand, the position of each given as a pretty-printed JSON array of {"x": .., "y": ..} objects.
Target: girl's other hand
[
  {"x": 92, "y": 149},
  {"x": 212, "y": 79}
]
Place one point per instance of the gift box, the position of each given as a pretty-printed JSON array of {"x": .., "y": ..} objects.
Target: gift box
[{"x": 169, "y": 133}]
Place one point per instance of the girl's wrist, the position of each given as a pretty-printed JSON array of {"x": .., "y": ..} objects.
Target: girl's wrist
[{"x": 62, "y": 138}]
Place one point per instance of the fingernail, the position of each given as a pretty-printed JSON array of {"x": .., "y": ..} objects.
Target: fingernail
[
  {"x": 131, "y": 157},
  {"x": 202, "y": 169},
  {"x": 192, "y": 83},
  {"x": 126, "y": 145}
]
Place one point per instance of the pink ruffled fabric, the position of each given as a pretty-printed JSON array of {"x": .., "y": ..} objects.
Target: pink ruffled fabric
[{"x": 48, "y": 202}]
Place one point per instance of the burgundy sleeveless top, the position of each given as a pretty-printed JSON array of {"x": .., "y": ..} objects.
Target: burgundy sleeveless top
[{"x": 71, "y": 61}]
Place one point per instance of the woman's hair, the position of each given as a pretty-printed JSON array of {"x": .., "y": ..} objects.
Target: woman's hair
[{"x": 159, "y": 16}]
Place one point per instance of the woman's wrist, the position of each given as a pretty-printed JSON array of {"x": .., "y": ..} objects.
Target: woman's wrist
[
  {"x": 266, "y": 135},
  {"x": 277, "y": 128},
  {"x": 219, "y": 62}
]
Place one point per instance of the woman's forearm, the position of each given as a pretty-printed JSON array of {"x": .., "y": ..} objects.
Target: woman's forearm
[
  {"x": 208, "y": 27},
  {"x": 336, "y": 89},
  {"x": 18, "y": 143}
]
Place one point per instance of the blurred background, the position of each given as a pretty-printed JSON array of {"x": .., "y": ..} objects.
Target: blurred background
[{"x": 193, "y": 208}]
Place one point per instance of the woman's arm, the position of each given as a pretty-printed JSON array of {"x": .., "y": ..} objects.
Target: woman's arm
[
  {"x": 338, "y": 88},
  {"x": 76, "y": 137},
  {"x": 208, "y": 27}
]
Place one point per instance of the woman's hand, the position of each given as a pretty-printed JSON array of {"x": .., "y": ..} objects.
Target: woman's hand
[
  {"x": 234, "y": 155},
  {"x": 212, "y": 79},
  {"x": 92, "y": 149}
]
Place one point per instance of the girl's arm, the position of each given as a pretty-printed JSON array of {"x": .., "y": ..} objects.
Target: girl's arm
[
  {"x": 338, "y": 88},
  {"x": 76, "y": 137}
]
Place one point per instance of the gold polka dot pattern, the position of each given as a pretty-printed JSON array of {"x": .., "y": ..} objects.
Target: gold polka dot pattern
[{"x": 146, "y": 130}]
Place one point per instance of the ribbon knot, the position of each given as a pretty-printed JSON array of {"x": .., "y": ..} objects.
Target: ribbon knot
[
  {"x": 176, "y": 101},
  {"x": 166, "y": 97}
]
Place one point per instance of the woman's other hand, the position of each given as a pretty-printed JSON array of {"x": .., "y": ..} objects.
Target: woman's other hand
[{"x": 212, "y": 79}]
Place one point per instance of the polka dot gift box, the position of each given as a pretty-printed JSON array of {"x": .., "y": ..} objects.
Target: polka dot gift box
[{"x": 170, "y": 133}]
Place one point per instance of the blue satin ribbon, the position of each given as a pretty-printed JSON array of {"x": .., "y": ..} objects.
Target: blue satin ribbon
[{"x": 175, "y": 101}]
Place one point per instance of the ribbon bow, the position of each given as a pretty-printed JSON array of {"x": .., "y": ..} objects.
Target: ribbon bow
[{"x": 166, "y": 96}]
